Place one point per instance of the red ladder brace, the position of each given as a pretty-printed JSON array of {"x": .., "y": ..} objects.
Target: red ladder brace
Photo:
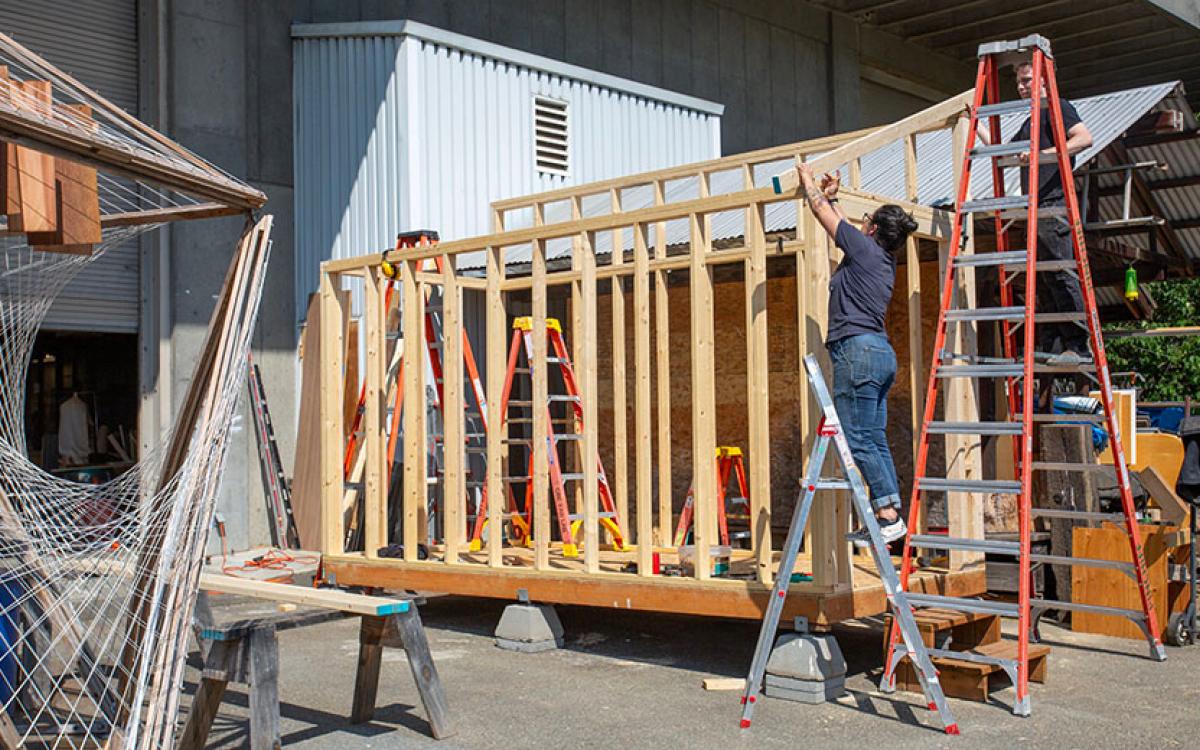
[
  {"x": 407, "y": 240},
  {"x": 568, "y": 524},
  {"x": 1016, "y": 364},
  {"x": 729, "y": 462}
]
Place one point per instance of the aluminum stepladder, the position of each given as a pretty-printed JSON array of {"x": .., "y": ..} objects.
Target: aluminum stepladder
[
  {"x": 275, "y": 485},
  {"x": 729, "y": 465},
  {"x": 476, "y": 432},
  {"x": 1016, "y": 369},
  {"x": 568, "y": 523},
  {"x": 828, "y": 431}
]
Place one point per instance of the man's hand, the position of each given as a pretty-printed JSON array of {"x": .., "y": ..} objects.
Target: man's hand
[
  {"x": 830, "y": 184},
  {"x": 806, "y": 174}
]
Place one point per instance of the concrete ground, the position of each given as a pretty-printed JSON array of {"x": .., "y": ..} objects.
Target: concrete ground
[{"x": 633, "y": 680}]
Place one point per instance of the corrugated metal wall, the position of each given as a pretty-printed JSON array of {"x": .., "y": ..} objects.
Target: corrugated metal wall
[
  {"x": 423, "y": 130},
  {"x": 97, "y": 43}
]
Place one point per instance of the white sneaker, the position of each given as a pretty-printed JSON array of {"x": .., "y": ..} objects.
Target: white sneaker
[{"x": 890, "y": 532}]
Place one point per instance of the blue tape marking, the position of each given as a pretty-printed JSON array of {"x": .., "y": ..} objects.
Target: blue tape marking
[
  {"x": 392, "y": 609},
  {"x": 775, "y": 183}
]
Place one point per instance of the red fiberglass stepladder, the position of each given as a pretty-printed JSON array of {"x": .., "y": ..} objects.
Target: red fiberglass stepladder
[{"x": 1017, "y": 368}]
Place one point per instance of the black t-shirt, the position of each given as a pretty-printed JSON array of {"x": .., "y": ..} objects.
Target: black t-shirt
[
  {"x": 861, "y": 287},
  {"x": 1050, "y": 188}
]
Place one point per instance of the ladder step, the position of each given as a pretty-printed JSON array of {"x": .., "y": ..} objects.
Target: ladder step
[
  {"x": 1016, "y": 370},
  {"x": 991, "y": 151},
  {"x": 1003, "y": 108},
  {"x": 1096, "y": 609},
  {"x": 983, "y": 205},
  {"x": 1125, "y": 567},
  {"x": 1013, "y": 260},
  {"x": 960, "y": 604},
  {"x": 572, "y": 476},
  {"x": 939, "y": 541},
  {"x": 1077, "y": 515},
  {"x": 572, "y": 399},
  {"x": 971, "y": 656},
  {"x": 1065, "y": 466},
  {"x": 601, "y": 514},
  {"x": 354, "y": 486},
  {"x": 937, "y": 484},
  {"x": 975, "y": 428},
  {"x": 1070, "y": 418},
  {"x": 1015, "y": 313},
  {"x": 832, "y": 484}
]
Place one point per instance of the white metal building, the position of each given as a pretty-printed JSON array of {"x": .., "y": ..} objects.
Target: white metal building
[{"x": 400, "y": 125}]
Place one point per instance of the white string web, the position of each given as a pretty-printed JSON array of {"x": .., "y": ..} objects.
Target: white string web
[{"x": 82, "y": 657}]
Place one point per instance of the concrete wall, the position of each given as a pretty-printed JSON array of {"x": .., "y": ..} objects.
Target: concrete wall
[{"x": 218, "y": 78}]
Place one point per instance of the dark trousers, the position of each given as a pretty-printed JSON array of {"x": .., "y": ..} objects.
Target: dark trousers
[{"x": 1058, "y": 291}]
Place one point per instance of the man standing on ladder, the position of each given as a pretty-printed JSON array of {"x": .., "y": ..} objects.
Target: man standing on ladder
[{"x": 864, "y": 363}]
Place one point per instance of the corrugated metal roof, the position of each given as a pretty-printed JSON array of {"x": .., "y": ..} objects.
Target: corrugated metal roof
[{"x": 1107, "y": 116}]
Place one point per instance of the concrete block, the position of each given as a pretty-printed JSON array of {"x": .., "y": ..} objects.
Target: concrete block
[
  {"x": 805, "y": 691},
  {"x": 529, "y": 628},
  {"x": 805, "y": 656}
]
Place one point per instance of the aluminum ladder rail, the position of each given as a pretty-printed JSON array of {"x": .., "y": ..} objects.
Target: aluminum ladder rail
[{"x": 830, "y": 430}]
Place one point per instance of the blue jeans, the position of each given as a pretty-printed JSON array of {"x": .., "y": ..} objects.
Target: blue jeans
[{"x": 864, "y": 368}]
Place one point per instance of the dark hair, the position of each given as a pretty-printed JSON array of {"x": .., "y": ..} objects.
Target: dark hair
[{"x": 892, "y": 226}]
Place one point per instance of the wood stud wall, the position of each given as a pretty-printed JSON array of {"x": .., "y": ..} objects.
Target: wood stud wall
[{"x": 646, "y": 273}]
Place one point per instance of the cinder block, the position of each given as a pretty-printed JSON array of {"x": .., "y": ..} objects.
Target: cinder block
[
  {"x": 529, "y": 628},
  {"x": 805, "y": 656},
  {"x": 805, "y": 691}
]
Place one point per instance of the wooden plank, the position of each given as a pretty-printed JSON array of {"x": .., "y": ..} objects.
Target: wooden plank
[
  {"x": 758, "y": 386},
  {"x": 716, "y": 597},
  {"x": 306, "y": 462},
  {"x": 724, "y": 683},
  {"x": 540, "y": 400},
  {"x": 641, "y": 401},
  {"x": 1174, "y": 508},
  {"x": 704, "y": 433},
  {"x": 34, "y": 168},
  {"x": 264, "y": 690},
  {"x": 589, "y": 376},
  {"x": 662, "y": 369},
  {"x": 424, "y": 672},
  {"x": 916, "y": 346},
  {"x": 933, "y": 118},
  {"x": 374, "y": 436},
  {"x": 412, "y": 307},
  {"x": 331, "y": 353},
  {"x": 1063, "y": 490},
  {"x": 619, "y": 482},
  {"x": 1112, "y": 588},
  {"x": 76, "y": 205},
  {"x": 343, "y": 601},
  {"x": 205, "y": 704},
  {"x": 496, "y": 338},
  {"x": 366, "y": 675},
  {"x": 804, "y": 231},
  {"x": 454, "y": 488}
]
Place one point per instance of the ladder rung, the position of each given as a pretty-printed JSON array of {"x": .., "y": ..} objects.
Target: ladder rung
[
  {"x": 355, "y": 486},
  {"x": 938, "y": 541},
  {"x": 975, "y": 428},
  {"x": 1070, "y": 418},
  {"x": 1014, "y": 161},
  {"x": 991, "y": 151},
  {"x": 1006, "y": 258},
  {"x": 1126, "y": 567},
  {"x": 601, "y": 514},
  {"x": 517, "y": 441},
  {"x": 985, "y": 314},
  {"x": 1065, "y": 466},
  {"x": 567, "y": 436},
  {"x": 558, "y": 360},
  {"x": 1077, "y": 515},
  {"x": 1003, "y": 108},
  {"x": 519, "y": 402},
  {"x": 1097, "y": 609},
  {"x": 572, "y": 476},
  {"x": 978, "y": 606},
  {"x": 558, "y": 397},
  {"x": 832, "y": 484},
  {"x": 515, "y": 480},
  {"x": 970, "y": 656},
  {"x": 937, "y": 484},
  {"x": 1002, "y": 203}
]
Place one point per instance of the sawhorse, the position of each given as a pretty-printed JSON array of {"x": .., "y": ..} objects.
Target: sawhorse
[{"x": 247, "y": 652}]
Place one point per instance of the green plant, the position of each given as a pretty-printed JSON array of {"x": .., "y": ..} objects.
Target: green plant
[{"x": 1170, "y": 365}]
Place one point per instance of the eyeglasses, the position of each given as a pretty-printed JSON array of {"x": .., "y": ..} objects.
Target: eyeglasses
[{"x": 866, "y": 218}]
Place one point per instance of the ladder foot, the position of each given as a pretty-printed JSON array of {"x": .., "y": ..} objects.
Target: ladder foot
[
  {"x": 887, "y": 685},
  {"x": 570, "y": 550},
  {"x": 745, "y": 724},
  {"x": 475, "y": 545},
  {"x": 1021, "y": 707},
  {"x": 952, "y": 729},
  {"x": 1158, "y": 652}
]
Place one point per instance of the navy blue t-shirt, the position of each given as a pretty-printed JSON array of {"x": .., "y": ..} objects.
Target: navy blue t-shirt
[
  {"x": 1050, "y": 187},
  {"x": 861, "y": 287}
]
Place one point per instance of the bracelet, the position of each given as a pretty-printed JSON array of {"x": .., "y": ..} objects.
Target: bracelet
[{"x": 831, "y": 200}]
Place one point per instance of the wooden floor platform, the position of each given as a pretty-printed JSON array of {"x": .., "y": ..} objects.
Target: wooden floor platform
[{"x": 619, "y": 586}]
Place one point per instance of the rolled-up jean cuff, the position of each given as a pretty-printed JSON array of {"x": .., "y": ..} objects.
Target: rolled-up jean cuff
[{"x": 887, "y": 501}]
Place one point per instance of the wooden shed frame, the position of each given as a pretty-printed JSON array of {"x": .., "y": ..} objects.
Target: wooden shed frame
[{"x": 842, "y": 586}]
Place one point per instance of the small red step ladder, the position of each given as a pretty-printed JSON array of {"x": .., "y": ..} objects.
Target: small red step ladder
[
  {"x": 568, "y": 523},
  {"x": 729, "y": 462}
]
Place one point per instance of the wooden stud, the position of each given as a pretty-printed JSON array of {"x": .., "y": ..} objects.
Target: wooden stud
[
  {"x": 856, "y": 174},
  {"x": 34, "y": 169},
  {"x": 804, "y": 232},
  {"x": 576, "y": 343},
  {"x": 662, "y": 352},
  {"x": 641, "y": 400},
  {"x": 375, "y": 492},
  {"x": 588, "y": 370},
  {"x": 540, "y": 400},
  {"x": 704, "y": 429},
  {"x": 412, "y": 308},
  {"x": 758, "y": 389},
  {"x": 264, "y": 689},
  {"x": 619, "y": 482},
  {"x": 331, "y": 353},
  {"x": 497, "y": 331},
  {"x": 366, "y": 676},
  {"x": 454, "y": 488},
  {"x": 916, "y": 345}
]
